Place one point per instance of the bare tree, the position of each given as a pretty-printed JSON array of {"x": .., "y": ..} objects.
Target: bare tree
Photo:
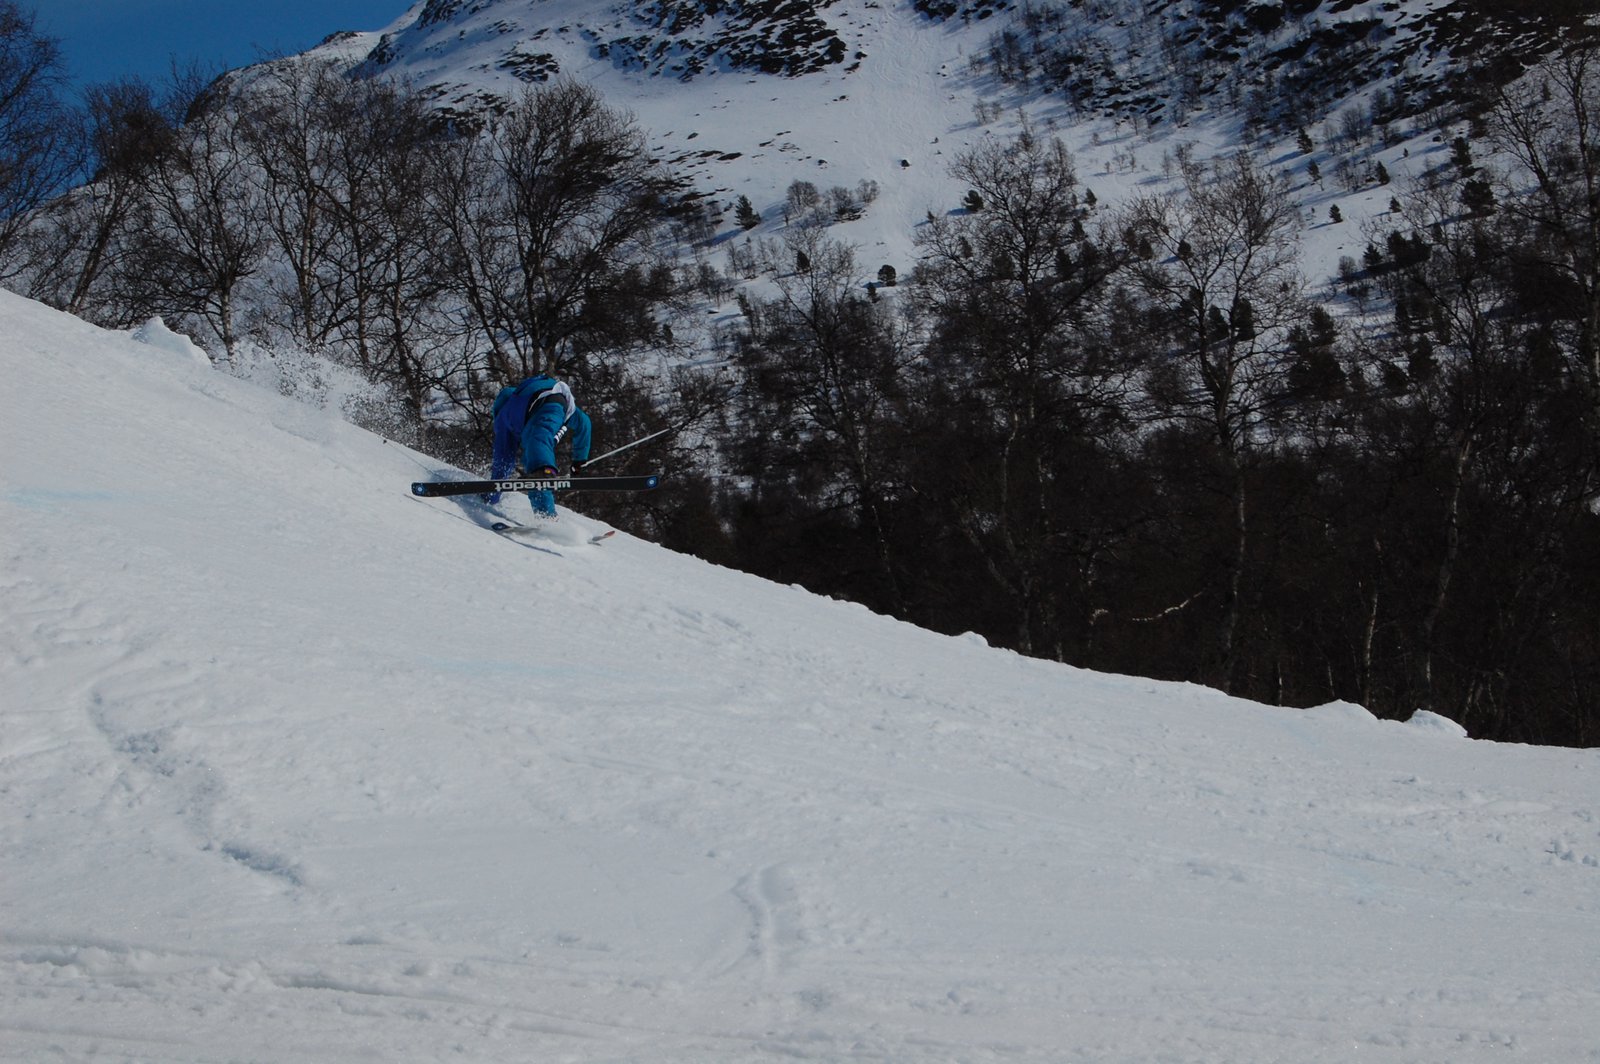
[
  {"x": 38, "y": 152},
  {"x": 391, "y": 248},
  {"x": 130, "y": 130},
  {"x": 1016, "y": 295},
  {"x": 547, "y": 218},
  {"x": 200, "y": 234},
  {"x": 828, "y": 371},
  {"x": 1223, "y": 286},
  {"x": 288, "y": 128},
  {"x": 1489, "y": 395},
  {"x": 1548, "y": 122},
  {"x": 801, "y": 202}
]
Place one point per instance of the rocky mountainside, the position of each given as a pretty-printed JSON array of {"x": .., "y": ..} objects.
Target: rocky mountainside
[
  {"x": 1282, "y": 61},
  {"x": 1286, "y": 63}
]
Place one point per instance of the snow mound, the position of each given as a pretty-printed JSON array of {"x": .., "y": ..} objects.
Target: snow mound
[
  {"x": 1426, "y": 721},
  {"x": 155, "y": 334},
  {"x": 1344, "y": 711}
]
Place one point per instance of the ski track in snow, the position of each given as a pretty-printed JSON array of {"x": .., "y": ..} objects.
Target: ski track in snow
[{"x": 296, "y": 767}]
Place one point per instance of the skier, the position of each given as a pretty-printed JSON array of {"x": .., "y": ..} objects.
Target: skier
[{"x": 530, "y": 419}]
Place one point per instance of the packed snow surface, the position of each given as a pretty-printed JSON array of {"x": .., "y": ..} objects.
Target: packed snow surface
[{"x": 297, "y": 767}]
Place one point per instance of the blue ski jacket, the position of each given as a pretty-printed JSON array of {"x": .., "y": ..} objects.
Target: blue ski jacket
[{"x": 530, "y": 420}]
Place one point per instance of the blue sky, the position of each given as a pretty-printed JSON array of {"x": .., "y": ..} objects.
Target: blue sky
[{"x": 102, "y": 40}]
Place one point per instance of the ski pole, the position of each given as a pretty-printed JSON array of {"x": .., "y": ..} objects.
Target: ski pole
[{"x": 624, "y": 447}]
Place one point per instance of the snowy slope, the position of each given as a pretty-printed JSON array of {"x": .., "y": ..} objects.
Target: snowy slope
[
  {"x": 299, "y": 768},
  {"x": 895, "y": 118}
]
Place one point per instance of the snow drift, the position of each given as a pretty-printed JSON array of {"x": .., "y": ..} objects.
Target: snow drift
[{"x": 299, "y": 768}]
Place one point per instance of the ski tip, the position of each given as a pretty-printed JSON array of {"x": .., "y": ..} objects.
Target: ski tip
[{"x": 419, "y": 489}]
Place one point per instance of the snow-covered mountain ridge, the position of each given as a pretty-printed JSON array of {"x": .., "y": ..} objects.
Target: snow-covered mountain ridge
[
  {"x": 743, "y": 99},
  {"x": 1151, "y": 45},
  {"x": 676, "y": 38},
  {"x": 300, "y": 768}
]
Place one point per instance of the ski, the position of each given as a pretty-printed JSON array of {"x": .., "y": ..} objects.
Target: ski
[
  {"x": 509, "y": 530},
  {"x": 436, "y": 488}
]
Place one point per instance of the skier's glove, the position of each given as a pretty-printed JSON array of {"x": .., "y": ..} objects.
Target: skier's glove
[{"x": 577, "y": 467}]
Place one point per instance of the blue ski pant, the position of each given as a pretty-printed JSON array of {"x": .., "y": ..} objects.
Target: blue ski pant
[{"x": 546, "y": 428}]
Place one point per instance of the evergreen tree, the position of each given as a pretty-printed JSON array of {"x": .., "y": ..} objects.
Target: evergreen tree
[
  {"x": 745, "y": 214},
  {"x": 1478, "y": 198}
]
